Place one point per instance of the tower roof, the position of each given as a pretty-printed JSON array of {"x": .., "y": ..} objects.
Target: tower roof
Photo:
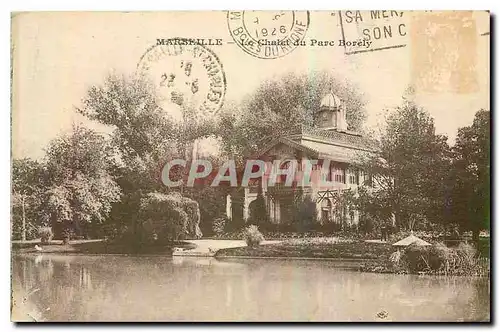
[{"x": 330, "y": 102}]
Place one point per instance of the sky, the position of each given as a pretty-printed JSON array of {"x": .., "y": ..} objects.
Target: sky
[{"x": 58, "y": 56}]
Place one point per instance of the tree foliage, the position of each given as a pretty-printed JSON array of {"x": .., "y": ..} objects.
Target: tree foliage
[
  {"x": 130, "y": 107},
  {"x": 408, "y": 171},
  {"x": 470, "y": 198},
  {"x": 280, "y": 106},
  {"x": 170, "y": 217},
  {"x": 145, "y": 137},
  {"x": 28, "y": 177}
]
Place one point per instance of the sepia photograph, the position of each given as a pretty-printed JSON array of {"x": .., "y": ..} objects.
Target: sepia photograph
[{"x": 250, "y": 166}]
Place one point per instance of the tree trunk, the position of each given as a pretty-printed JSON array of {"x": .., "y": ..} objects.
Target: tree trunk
[
  {"x": 475, "y": 236},
  {"x": 397, "y": 220}
]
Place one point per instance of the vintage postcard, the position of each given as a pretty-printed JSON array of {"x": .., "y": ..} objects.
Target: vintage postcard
[{"x": 251, "y": 166}]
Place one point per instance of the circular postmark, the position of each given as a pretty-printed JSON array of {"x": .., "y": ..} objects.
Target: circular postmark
[
  {"x": 187, "y": 76},
  {"x": 268, "y": 34}
]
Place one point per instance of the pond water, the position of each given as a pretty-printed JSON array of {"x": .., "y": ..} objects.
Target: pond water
[{"x": 121, "y": 288}]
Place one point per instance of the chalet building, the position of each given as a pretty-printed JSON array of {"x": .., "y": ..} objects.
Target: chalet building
[{"x": 328, "y": 141}]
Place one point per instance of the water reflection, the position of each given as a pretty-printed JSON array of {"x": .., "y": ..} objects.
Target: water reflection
[{"x": 117, "y": 288}]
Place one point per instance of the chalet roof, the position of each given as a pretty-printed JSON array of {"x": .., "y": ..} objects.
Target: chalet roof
[
  {"x": 288, "y": 142},
  {"x": 315, "y": 149},
  {"x": 329, "y": 151},
  {"x": 333, "y": 144},
  {"x": 345, "y": 138}
]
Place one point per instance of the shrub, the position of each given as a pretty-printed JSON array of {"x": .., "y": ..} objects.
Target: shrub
[
  {"x": 396, "y": 260},
  {"x": 303, "y": 214},
  {"x": 45, "y": 234},
  {"x": 169, "y": 217},
  {"x": 425, "y": 258},
  {"x": 66, "y": 235},
  {"x": 252, "y": 236},
  {"x": 466, "y": 260},
  {"x": 439, "y": 259},
  {"x": 219, "y": 225},
  {"x": 258, "y": 212}
]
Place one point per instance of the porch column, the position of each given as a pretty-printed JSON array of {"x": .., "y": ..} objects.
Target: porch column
[
  {"x": 318, "y": 211},
  {"x": 271, "y": 209},
  {"x": 277, "y": 211},
  {"x": 229, "y": 204},
  {"x": 246, "y": 203}
]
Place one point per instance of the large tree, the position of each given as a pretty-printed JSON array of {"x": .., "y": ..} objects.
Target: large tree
[
  {"x": 80, "y": 187},
  {"x": 130, "y": 107},
  {"x": 142, "y": 133},
  {"x": 27, "y": 186},
  {"x": 146, "y": 137},
  {"x": 409, "y": 170},
  {"x": 471, "y": 175}
]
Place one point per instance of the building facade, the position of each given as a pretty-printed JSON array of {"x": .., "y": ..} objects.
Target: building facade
[{"x": 331, "y": 151}]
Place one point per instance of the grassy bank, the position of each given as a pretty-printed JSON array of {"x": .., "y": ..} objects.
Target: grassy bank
[
  {"x": 437, "y": 259},
  {"x": 314, "y": 248},
  {"x": 96, "y": 247}
]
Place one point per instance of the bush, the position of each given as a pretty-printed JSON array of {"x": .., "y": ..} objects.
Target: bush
[
  {"x": 257, "y": 210},
  {"x": 168, "y": 217},
  {"x": 45, "y": 234},
  {"x": 396, "y": 261},
  {"x": 439, "y": 259},
  {"x": 66, "y": 234},
  {"x": 438, "y": 254},
  {"x": 303, "y": 214},
  {"x": 252, "y": 236}
]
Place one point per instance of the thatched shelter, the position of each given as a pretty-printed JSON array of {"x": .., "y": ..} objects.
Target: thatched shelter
[{"x": 411, "y": 239}]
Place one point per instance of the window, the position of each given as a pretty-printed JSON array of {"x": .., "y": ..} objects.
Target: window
[
  {"x": 367, "y": 179},
  {"x": 284, "y": 165},
  {"x": 353, "y": 176}
]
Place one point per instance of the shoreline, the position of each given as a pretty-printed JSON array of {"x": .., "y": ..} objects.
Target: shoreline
[
  {"x": 95, "y": 248},
  {"x": 353, "y": 264},
  {"x": 334, "y": 259},
  {"x": 362, "y": 256}
]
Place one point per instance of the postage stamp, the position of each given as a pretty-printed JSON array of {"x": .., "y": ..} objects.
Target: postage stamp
[
  {"x": 187, "y": 74},
  {"x": 268, "y": 34},
  {"x": 386, "y": 29}
]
